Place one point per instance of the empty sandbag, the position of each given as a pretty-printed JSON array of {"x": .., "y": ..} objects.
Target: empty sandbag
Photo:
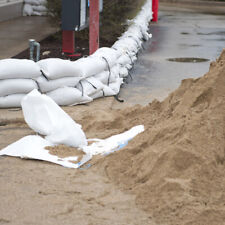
[
  {"x": 44, "y": 116},
  {"x": 105, "y": 92}
]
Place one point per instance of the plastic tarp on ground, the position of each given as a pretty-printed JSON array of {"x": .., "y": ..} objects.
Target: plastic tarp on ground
[{"x": 45, "y": 117}]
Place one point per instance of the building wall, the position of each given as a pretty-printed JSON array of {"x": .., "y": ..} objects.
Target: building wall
[{"x": 10, "y": 9}]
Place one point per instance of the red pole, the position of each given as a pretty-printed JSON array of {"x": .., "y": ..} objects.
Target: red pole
[
  {"x": 155, "y": 6},
  {"x": 93, "y": 26},
  {"x": 68, "y": 41}
]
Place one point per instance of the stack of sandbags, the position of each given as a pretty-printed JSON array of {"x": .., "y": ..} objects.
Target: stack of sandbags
[
  {"x": 58, "y": 80},
  {"x": 16, "y": 80},
  {"x": 35, "y": 8}
]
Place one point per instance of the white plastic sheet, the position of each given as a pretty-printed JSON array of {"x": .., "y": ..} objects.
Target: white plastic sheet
[{"x": 33, "y": 147}]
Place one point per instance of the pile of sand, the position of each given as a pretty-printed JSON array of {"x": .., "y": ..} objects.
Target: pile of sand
[{"x": 176, "y": 168}]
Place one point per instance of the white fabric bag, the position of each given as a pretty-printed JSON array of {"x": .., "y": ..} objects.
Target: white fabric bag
[
  {"x": 54, "y": 68},
  {"x": 50, "y": 85},
  {"x": 45, "y": 117},
  {"x": 105, "y": 92},
  {"x": 16, "y": 86},
  {"x": 109, "y": 54},
  {"x": 90, "y": 66},
  {"x": 68, "y": 96},
  {"x": 11, "y": 101},
  {"x": 90, "y": 86},
  {"x": 18, "y": 68}
]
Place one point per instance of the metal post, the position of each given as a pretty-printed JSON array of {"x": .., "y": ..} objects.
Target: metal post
[
  {"x": 32, "y": 45},
  {"x": 93, "y": 26},
  {"x": 68, "y": 41},
  {"x": 155, "y": 6}
]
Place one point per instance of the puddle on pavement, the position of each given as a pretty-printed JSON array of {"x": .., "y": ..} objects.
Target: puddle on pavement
[
  {"x": 188, "y": 60},
  {"x": 184, "y": 33}
]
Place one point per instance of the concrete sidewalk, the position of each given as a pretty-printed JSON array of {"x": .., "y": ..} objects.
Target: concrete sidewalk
[
  {"x": 211, "y": 7},
  {"x": 15, "y": 33}
]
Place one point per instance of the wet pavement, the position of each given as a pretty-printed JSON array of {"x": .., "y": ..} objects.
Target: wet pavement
[{"x": 177, "y": 34}]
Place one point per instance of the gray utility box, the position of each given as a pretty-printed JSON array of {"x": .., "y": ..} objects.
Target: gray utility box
[{"x": 74, "y": 14}]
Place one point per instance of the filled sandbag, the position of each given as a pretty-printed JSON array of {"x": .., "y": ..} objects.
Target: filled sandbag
[
  {"x": 27, "y": 10},
  {"x": 90, "y": 66},
  {"x": 11, "y": 101},
  {"x": 68, "y": 96},
  {"x": 18, "y": 68},
  {"x": 90, "y": 86},
  {"x": 115, "y": 86},
  {"x": 109, "y": 54},
  {"x": 124, "y": 72},
  {"x": 107, "y": 77},
  {"x": 35, "y": 2},
  {"x": 50, "y": 85},
  {"x": 55, "y": 68},
  {"x": 45, "y": 117},
  {"x": 39, "y": 8},
  {"x": 16, "y": 86},
  {"x": 105, "y": 92}
]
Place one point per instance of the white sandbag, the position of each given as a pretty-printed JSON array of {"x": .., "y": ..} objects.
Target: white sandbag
[
  {"x": 18, "y": 68},
  {"x": 109, "y": 54},
  {"x": 35, "y": 2},
  {"x": 11, "y": 101},
  {"x": 125, "y": 59},
  {"x": 27, "y": 10},
  {"x": 45, "y": 117},
  {"x": 105, "y": 92},
  {"x": 115, "y": 86},
  {"x": 90, "y": 86},
  {"x": 124, "y": 72},
  {"x": 50, "y": 85},
  {"x": 16, "y": 86},
  {"x": 68, "y": 96},
  {"x": 39, "y": 8},
  {"x": 36, "y": 13},
  {"x": 54, "y": 68},
  {"x": 107, "y": 77},
  {"x": 90, "y": 66},
  {"x": 108, "y": 91}
]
